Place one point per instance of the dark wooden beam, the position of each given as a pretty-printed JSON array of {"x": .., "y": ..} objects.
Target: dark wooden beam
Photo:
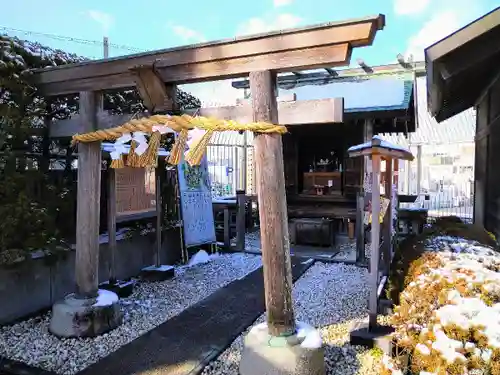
[
  {"x": 285, "y": 50},
  {"x": 152, "y": 89},
  {"x": 470, "y": 56},
  {"x": 299, "y": 112}
]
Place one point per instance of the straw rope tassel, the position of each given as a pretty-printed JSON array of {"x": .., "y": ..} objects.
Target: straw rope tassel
[
  {"x": 118, "y": 163},
  {"x": 150, "y": 156},
  {"x": 196, "y": 153},
  {"x": 178, "y": 148},
  {"x": 132, "y": 158}
]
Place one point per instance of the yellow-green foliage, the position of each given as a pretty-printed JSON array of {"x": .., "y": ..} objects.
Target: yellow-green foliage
[{"x": 448, "y": 317}]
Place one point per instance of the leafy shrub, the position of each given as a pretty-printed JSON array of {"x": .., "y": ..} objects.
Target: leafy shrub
[
  {"x": 448, "y": 317},
  {"x": 35, "y": 209}
]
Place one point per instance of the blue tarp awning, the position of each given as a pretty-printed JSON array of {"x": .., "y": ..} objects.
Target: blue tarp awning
[{"x": 382, "y": 93}]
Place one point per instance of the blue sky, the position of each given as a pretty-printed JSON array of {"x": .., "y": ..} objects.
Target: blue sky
[{"x": 153, "y": 24}]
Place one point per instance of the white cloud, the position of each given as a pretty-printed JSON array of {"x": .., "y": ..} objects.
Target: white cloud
[
  {"x": 106, "y": 20},
  {"x": 443, "y": 23},
  {"x": 406, "y": 7},
  {"x": 258, "y": 25},
  {"x": 187, "y": 35},
  {"x": 214, "y": 94},
  {"x": 281, "y": 3}
]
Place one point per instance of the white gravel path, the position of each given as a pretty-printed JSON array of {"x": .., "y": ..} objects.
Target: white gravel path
[
  {"x": 346, "y": 251},
  {"x": 150, "y": 305},
  {"x": 330, "y": 297}
]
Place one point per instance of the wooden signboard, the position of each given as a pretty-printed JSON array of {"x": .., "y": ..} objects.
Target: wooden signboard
[{"x": 135, "y": 191}]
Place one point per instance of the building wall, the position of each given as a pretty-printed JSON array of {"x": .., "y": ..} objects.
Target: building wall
[
  {"x": 446, "y": 152},
  {"x": 487, "y": 176}
]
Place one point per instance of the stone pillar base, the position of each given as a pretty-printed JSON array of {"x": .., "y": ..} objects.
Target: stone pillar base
[
  {"x": 155, "y": 274},
  {"x": 299, "y": 354},
  {"x": 85, "y": 317}
]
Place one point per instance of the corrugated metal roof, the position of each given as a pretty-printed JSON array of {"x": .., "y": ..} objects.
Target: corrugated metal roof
[
  {"x": 231, "y": 139},
  {"x": 457, "y": 129},
  {"x": 363, "y": 93}
]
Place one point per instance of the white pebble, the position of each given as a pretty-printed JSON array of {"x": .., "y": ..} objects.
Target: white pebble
[
  {"x": 150, "y": 305},
  {"x": 330, "y": 297}
]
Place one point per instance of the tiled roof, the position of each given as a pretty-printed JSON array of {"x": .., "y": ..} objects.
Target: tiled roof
[
  {"x": 363, "y": 93},
  {"x": 457, "y": 129}
]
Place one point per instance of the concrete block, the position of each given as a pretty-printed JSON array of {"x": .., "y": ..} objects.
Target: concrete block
[
  {"x": 372, "y": 337},
  {"x": 299, "y": 354},
  {"x": 154, "y": 274}
]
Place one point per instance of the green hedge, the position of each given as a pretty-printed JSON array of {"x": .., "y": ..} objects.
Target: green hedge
[{"x": 36, "y": 203}]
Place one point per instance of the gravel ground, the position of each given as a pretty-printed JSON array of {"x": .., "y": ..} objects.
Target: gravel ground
[
  {"x": 347, "y": 251},
  {"x": 150, "y": 305},
  {"x": 330, "y": 297}
]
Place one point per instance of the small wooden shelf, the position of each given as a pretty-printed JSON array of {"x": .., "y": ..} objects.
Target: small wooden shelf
[{"x": 331, "y": 179}]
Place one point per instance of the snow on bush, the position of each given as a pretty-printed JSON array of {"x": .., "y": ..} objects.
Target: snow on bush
[{"x": 448, "y": 319}]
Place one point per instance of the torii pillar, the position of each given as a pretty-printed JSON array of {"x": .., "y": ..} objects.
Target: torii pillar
[{"x": 276, "y": 347}]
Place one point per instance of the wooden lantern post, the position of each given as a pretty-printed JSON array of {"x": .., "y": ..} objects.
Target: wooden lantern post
[
  {"x": 375, "y": 242},
  {"x": 273, "y": 210},
  {"x": 377, "y": 148}
]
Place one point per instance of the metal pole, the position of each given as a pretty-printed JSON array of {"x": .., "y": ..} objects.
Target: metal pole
[
  {"x": 105, "y": 44},
  {"x": 419, "y": 169},
  {"x": 245, "y": 161}
]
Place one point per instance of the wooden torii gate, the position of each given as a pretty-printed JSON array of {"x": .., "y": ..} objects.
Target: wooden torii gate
[{"x": 156, "y": 75}]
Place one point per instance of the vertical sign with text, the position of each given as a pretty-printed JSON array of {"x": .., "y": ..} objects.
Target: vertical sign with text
[{"x": 196, "y": 202}]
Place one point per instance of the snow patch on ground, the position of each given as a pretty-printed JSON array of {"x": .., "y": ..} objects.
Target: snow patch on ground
[{"x": 106, "y": 298}]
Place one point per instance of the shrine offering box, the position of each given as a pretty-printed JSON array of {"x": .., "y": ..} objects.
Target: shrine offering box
[{"x": 313, "y": 232}]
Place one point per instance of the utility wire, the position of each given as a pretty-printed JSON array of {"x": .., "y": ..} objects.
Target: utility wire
[{"x": 70, "y": 39}]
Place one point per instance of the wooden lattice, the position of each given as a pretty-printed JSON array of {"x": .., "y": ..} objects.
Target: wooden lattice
[{"x": 135, "y": 190}]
